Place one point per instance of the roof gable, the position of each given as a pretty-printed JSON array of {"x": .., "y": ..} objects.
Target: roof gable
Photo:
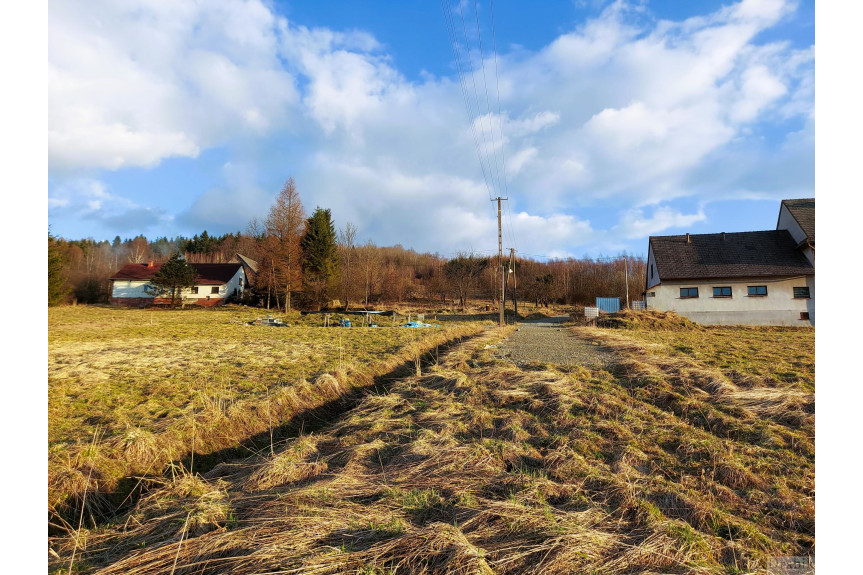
[
  {"x": 803, "y": 211},
  {"x": 247, "y": 261},
  {"x": 741, "y": 254},
  {"x": 207, "y": 274}
]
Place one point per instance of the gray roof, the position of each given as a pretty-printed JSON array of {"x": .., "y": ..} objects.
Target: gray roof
[
  {"x": 247, "y": 261},
  {"x": 803, "y": 211},
  {"x": 740, "y": 254}
]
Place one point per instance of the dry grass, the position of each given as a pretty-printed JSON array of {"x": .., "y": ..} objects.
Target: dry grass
[
  {"x": 477, "y": 467},
  {"x": 164, "y": 384}
]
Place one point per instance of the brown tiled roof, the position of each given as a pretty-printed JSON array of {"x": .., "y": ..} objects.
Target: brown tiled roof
[
  {"x": 740, "y": 254},
  {"x": 208, "y": 274},
  {"x": 803, "y": 211}
]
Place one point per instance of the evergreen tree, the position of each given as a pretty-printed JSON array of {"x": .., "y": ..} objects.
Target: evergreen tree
[
  {"x": 320, "y": 257},
  {"x": 56, "y": 282},
  {"x": 174, "y": 275}
]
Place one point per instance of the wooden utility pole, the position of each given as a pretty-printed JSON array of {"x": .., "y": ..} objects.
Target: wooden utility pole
[
  {"x": 514, "y": 280},
  {"x": 626, "y": 279},
  {"x": 500, "y": 260}
]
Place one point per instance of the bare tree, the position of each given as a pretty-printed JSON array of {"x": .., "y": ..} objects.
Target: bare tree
[
  {"x": 369, "y": 261},
  {"x": 347, "y": 256}
]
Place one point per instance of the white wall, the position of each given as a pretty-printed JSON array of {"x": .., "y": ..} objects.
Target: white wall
[
  {"x": 651, "y": 264},
  {"x": 778, "y": 307},
  {"x": 135, "y": 288},
  {"x": 225, "y": 290},
  {"x": 787, "y": 222}
]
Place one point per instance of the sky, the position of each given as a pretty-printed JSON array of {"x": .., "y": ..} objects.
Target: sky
[{"x": 602, "y": 122}]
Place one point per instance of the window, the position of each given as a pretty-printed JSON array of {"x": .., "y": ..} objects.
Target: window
[
  {"x": 688, "y": 293},
  {"x": 195, "y": 289},
  {"x": 801, "y": 292},
  {"x": 241, "y": 282},
  {"x": 757, "y": 290},
  {"x": 804, "y": 315},
  {"x": 722, "y": 291},
  {"x": 651, "y": 271},
  {"x": 214, "y": 289}
]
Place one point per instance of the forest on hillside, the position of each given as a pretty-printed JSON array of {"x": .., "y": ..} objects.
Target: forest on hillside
[{"x": 316, "y": 264}]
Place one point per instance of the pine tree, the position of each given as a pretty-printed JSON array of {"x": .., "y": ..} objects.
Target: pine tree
[
  {"x": 174, "y": 275},
  {"x": 320, "y": 257}
]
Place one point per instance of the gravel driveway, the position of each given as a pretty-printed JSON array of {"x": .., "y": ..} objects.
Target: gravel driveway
[{"x": 545, "y": 341}]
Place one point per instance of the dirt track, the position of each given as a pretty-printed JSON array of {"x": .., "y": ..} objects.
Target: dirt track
[{"x": 545, "y": 341}]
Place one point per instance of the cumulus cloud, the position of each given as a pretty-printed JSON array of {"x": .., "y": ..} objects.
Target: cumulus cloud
[
  {"x": 135, "y": 82},
  {"x": 623, "y": 112},
  {"x": 634, "y": 223}
]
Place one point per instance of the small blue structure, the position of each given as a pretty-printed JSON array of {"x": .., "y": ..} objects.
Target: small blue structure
[
  {"x": 345, "y": 323},
  {"x": 608, "y": 304},
  {"x": 418, "y": 324}
]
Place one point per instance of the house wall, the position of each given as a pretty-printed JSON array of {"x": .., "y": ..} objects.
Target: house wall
[
  {"x": 787, "y": 222},
  {"x": 778, "y": 307},
  {"x": 225, "y": 290},
  {"x": 132, "y": 292},
  {"x": 651, "y": 265}
]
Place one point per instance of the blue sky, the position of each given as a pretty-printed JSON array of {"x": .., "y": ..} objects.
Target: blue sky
[{"x": 616, "y": 120}]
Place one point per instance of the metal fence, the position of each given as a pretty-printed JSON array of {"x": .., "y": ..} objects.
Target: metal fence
[{"x": 638, "y": 305}]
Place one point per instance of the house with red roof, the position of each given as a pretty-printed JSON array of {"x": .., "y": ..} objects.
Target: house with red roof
[
  {"x": 741, "y": 278},
  {"x": 214, "y": 284}
]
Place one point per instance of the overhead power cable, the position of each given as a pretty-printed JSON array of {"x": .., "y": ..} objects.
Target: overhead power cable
[
  {"x": 475, "y": 90},
  {"x": 456, "y": 50}
]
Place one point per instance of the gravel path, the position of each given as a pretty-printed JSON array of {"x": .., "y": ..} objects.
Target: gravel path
[{"x": 545, "y": 341}]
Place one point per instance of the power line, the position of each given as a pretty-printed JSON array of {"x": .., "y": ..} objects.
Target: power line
[
  {"x": 473, "y": 78},
  {"x": 456, "y": 50},
  {"x": 491, "y": 169},
  {"x": 497, "y": 88},
  {"x": 485, "y": 85}
]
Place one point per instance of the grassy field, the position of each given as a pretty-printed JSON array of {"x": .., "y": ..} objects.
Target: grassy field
[
  {"x": 693, "y": 453},
  {"x": 152, "y": 384}
]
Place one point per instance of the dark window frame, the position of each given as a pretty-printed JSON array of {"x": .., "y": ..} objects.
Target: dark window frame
[
  {"x": 194, "y": 289},
  {"x": 214, "y": 290},
  {"x": 720, "y": 294},
  {"x": 689, "y": 291},
  {"x": 808, "y": 293},
  {"x": 752, "y": 291}
]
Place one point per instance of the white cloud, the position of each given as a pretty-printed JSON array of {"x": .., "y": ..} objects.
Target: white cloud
[
  {"x": 135, "y": 82},
  {"x": 621, "y": 112},
  {"x": 634, "y": 224}
]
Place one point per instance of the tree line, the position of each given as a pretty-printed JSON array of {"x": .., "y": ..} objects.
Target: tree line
[{"x": 304, "y": 262}]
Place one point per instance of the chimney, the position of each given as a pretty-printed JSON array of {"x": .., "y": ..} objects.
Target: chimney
[
  {"x": 150, "y": 264},
  {"x": 723, "y": 236},
  {"x": 687, "y": 239}
]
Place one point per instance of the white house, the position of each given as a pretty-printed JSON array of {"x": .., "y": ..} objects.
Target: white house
[
  {"x": 748, "y": 278},
  {"x": 214, "y": 284}
]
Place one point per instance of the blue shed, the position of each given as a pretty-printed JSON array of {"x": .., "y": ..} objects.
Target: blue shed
[{"x": 608, "y": 304}]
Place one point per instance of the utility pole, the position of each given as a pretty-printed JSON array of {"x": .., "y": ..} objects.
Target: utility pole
[
  {"x": 500, "y": 260},
  {"x": 514, "y": 280},
  {"x": 626, "y": 278}
]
